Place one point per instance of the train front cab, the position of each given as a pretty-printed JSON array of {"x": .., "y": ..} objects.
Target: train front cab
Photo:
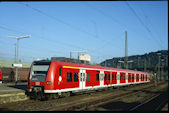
[{"x": 41, "y": 77}]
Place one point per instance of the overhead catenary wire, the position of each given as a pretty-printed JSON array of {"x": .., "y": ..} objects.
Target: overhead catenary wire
[
  {"x": 142, "y": 23},
  {"x": 112, "y": 18},
  {"x": 67, "y": 24},
  {"x": 94, "y": 35},
  {"x": 149, "y": 22},
  {"x": 40, "y": 37},
  {"x": 31, "y": 48},
  {"x": 124, "y": 26},
  {"x": 57, "y": 19},
  {"x": 49, "y": 40},
  {"x": 106, "y": 15},
  {"x": 2, "y": 27},
  {"x": 12, "y": 30}
]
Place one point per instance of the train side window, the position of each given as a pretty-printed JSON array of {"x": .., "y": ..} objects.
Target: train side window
[
  {"x": 81, "y": 76},
  {"x": 97, "y": 77},
  {"x": 75, "y": 77},
  {"x": 109, "y": 77},
  {"x": 142, "y": 77},
  {"x": 105, "y": 77},
  {"x": 137, "y": 76},
  {"x": 69, "y": 77},
  {"x": 121, "y": 77},
  {"x": 129, "y": 77},
  {"x": 88, "y": 76},
  {"x": 60, "y": 70},
  {"x": 112, "y": 76},
  {"x": 115, "y": 76}
]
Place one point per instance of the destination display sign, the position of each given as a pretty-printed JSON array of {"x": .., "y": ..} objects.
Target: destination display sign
[{"x": 17, "y": 65}]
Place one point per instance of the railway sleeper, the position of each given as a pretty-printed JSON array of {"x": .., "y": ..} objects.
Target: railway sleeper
[
  {"x": 51, "y": 96},
  {"x": 66, "y": 94},
  {"x": 42, "y": 96},
  {"x": 35, "y": 95}
]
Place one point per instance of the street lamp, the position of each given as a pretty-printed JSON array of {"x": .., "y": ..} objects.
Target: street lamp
[{"x": 16, "y": 59}]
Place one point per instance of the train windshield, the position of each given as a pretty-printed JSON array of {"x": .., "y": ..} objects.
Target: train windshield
[{"x": 39, "y": 71}]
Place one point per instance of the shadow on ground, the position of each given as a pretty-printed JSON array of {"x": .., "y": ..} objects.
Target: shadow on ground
[
  {"x": 118, "y": 106},
  {"x": 22, "y": 87}
]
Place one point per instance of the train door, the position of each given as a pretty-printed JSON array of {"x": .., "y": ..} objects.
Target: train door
[
  {"x": 132, "y": 77},
  {"x": 107, "y": 77},
  {"x": 122, "y": 77},
  {"x": 82, "y": 79},
  {"x": 118, "y": 77},
  {"x": 126, "y": 78},
  {"x": 101, "y": 78},
  {"x": 114, "y": 77}
]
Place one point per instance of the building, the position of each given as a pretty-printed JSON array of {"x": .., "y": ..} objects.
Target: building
[{"x": 84, "y": 57}]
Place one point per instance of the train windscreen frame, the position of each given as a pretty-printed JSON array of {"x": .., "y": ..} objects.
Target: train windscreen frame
[{"x": 39, "y": 70}]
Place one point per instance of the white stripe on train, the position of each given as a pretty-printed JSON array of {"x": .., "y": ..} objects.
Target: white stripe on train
[{"x": 89, "y": 88}]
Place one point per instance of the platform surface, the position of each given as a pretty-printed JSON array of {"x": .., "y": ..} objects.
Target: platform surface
[
  {"x": 9, "y": 92},
  {"x": 11, "y": 87}
]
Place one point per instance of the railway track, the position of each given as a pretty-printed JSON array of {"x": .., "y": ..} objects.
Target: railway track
[
  {"x": 77, "y": 102},
  {"x": 92, "y": 103},
  {"x": 154, "y": 103}
]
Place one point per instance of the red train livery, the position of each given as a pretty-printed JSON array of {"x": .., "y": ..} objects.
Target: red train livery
[{"x": 55, "y": 77}]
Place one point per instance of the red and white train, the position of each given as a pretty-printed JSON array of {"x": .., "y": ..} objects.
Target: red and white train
[{"x": 56, "y": 78}]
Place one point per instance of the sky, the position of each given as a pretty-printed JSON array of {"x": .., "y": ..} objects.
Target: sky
[{"x": 98, "y": 27}]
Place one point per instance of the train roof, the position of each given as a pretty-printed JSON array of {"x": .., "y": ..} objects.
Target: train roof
[
  {"x": 98, "y": 67},
  {"x": 48, "y": 62},
  {"x": 42, "y": 62}
]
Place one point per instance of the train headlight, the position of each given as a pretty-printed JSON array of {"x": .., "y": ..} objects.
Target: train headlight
[
  {"x": 60, "y": 78},
  {"x": 48, "y": 82}
]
